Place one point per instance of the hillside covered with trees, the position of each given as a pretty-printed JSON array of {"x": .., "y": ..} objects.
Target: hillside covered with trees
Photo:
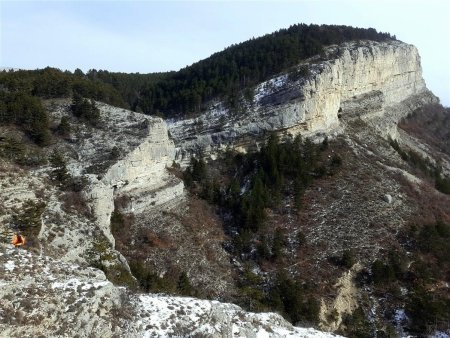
[
  {"x": 187, "y": 91},
  {"x": 223, "y": 75},
  {"x": 243, "y": 65}
]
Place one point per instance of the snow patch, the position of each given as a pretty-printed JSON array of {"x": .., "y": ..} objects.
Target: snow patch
[
  {"x": 400, "y": 316},
  {"x": 73, "y": 283},
  {"x": 440, "y": 334},
  {"x": 164, "y": 316},
  {"x": 9, "y": 266},
  {"x": 269, "y": 87}
]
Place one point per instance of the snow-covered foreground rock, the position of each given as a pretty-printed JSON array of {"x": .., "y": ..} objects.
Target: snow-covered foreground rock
[
  {"x": 181, "y": 316},
  {"x": 44, "y": 297}
]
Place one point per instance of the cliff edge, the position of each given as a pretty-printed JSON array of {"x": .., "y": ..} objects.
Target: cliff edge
[{"x": 311, "y": 98}]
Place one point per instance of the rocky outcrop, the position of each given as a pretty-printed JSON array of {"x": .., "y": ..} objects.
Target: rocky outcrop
[
  {"x": 346, "y": 301},
  {"x": 41, "y": 296},
  {"x": 180, "y": 316},
  {"x": 382, "y": 74},
  {"x": 141, "y": 174},
  {"x": 126, "y": 154}
]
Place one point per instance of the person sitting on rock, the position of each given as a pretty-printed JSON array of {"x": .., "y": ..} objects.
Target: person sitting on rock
[{"x": 18, "y": 240}]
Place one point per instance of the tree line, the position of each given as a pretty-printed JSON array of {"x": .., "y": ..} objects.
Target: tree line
[
  {"x": 50, "y": 83},
  {"x": 243, "y": 65},
  {"x": 222, "y": 75},
  {"x": 187, "y": 91}
]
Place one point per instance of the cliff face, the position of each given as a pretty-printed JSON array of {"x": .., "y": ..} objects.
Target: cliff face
[
  {"x": 141, "y": 175},
  {"x": 390, "y": 71},
  {"x": 126, "y": 155},
  {"x": 358, "y": 90}
]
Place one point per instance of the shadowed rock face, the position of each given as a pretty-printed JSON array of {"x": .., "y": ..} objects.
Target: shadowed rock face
[{"x": 390, "y": 72}]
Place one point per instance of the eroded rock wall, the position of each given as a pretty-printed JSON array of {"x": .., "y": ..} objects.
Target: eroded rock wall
[
  {"x": 388, "y": 71},
  {"x": 126, "y": 154},
  {"x": 140, "y": 172}
]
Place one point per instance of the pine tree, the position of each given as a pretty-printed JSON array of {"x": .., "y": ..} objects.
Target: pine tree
[
  {"x": 184, "y": 285},
  {"x": 85, "y": 109},
  {"x": 278, "y": 244},
  {"x": 59, "y": 172},
  {"x": 64, "y": 126}
]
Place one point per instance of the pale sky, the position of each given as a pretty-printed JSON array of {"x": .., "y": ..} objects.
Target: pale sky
[{"x": 150, "y": 36}]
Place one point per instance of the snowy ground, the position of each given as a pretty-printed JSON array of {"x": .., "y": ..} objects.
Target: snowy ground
[
  {"x": 41, "y": 296},
  {"x": 177, "y": 316}
]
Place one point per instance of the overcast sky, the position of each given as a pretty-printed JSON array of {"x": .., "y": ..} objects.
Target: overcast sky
[{"x": 150, "y": 36}]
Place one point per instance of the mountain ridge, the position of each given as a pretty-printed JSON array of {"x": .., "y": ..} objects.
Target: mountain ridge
[
  {"x": 304, "y": 197},
  {"x": 311, "y": 104}
]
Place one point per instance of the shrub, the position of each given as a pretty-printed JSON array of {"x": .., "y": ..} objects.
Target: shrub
[
  {"x": 117, "y": 221},
  {"x": 435, "y": 240},
  {"x": 196, "y": 172},
  {"x": 75, "y": 202},
  {"x": 336, "y": 161},
  {"x": 12, "y": 149},
  {"x": 443, "y": 184},
  {"x": 251, "y": 295},
  {"x": 172, "y": 282},
  {"x": 64, "y": 127},
  {"x": 115, "y": 153},
  {"x": 262, "y": 249},
  {"x": 394, "y": 144},
  {"x": 382, "y": 273},
  {"x": 299, "y": 72},
  {"x": 348, "y": 258},
  {"x": 59, "y": 172},
  {"x": 26, "y": 112},
  {"x": 296, "y": 304},
  {"x": 301, "y": 239},
  {"x": 357, "y": 324},
  {"x": 278, "y": 244},
  {"x": 427, "y": 312},
  {"x": 28, "y": 221},
  {"x": 184, "y": 286},
  {"x": 30, "y": 215}
]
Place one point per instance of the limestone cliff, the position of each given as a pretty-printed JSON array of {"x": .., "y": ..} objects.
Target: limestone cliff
[
  {"x": 140, "y": 172},
  {"x": 126, "y": 154},
  {"x": 359, "y": 90},
  {"x": 388, "y": 72}
]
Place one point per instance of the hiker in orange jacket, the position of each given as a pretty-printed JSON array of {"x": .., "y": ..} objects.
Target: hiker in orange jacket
[{"x": 18, "y": 240}]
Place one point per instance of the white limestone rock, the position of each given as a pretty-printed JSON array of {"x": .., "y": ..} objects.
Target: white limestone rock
[
  {"x": 140, "y": 172},
  {"x": 386, "y": 72},
  {"x": 126, "y": 155},
  {"x": 387, "y": 198},
  {"x": 41, "y": 296}
]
